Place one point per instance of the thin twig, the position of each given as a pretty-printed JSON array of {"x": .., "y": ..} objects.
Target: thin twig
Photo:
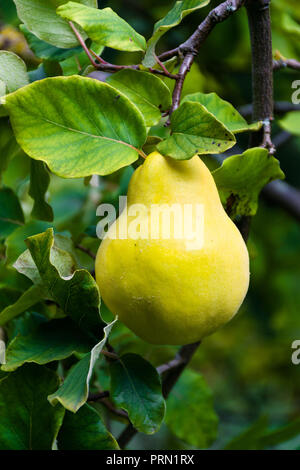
[
  {"x": 86, "y": 250},
  {"x": 286, "y": 63},
  {"x": 105, "y": 66},
  {"x": 109, "y": 354},
  {"x": 161, "y": 65},
  {"x": 167, "y": 74},
  {"x": 267, "y": 137},
  {"x": 98, "y": 396},
  {"x": 116, "y": 411},
  {"x": 103, "y": 398},
  {"x": 82, "y": 43},
  {"x": 169, "y": 54},
  {"x": 102, "y": 61},
  {"x": 108, "y": 67}
]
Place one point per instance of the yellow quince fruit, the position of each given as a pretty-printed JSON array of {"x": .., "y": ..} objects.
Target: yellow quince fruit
[{"x": 173, "y": 266}]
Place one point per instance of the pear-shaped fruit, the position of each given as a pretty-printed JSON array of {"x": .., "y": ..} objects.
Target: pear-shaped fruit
[{"x": 167, "y": 288}]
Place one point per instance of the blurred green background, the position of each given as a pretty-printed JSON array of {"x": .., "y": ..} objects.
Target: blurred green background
[{"x": 248, "y": 363}]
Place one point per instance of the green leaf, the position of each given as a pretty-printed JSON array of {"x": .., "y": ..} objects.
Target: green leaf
[
  {"x": 13, "y": 71},
  {"x": 289, "y": 25},
  {"x": 28, "y": 421},
  {"x": 40, "y": 18},
  {"x": 173, "y": 18},
  {"x": 195, "y": 130},
  {"x": 24, "y": 325},
  {"x": 8, "y": 145},
  {"x": 85, "y": 431},
  {"x": 46, "y": 51},
  {"x": 258, "y": 437},
  {"x": 145, "y": 90},
  {"x": 104, "y": 27},
  {"x": 136, "y": 387},
  {"x": 150, "y": 144},
  {"x": 15, "y": 244},
  {"x": 74, "y": 391},
  {"x": 39, "y": 182},
  {"x": 223, "y": 111},
  {"x": 11, "y": 213},
  {"x": 92, "y": 129},
  {"x": 291, "y": 122},
  {"x": 190, "y": 412},
  {"x": 61, "y": 256},
  {"x": 51, "y": 341},
  {"x": 8, "y": 295},
  {"x": 277, "y": 436},
  {"x": 77, "y": 294},
  {"x": 248, "y": 440},
  {"x": 241, "y": 178},
  {"x": 30, "y": 297}
]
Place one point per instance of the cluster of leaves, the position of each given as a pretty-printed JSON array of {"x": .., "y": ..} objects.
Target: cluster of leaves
[{"x": 58, "y": 120}]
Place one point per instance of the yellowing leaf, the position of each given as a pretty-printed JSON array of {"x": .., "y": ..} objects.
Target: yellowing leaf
[
  {"x": 104, "y": 27},
  {"x": 77, "y": 125},
  {"x": 40, "y": 18}
]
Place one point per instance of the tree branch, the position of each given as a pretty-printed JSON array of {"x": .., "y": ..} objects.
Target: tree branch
[
  {"x": 258, "y": 12},
  {"x": 215, "y": 16},
  {"x": 190, "y": 48},
  {"x": 184, "y": 68},
  {"x": 168, "y": 54},
  {"x": 172, "y": 374},
  {"x": 280, "y": 107},
  {"x": 172, "y": 364},
  {"x": 285, "y": 196}
]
